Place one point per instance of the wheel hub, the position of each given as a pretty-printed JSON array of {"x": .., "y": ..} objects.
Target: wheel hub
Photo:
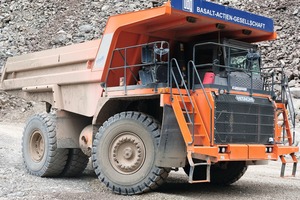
[
  {"x": 127, "y": 153},
  {"x": 37, "y": 146}
]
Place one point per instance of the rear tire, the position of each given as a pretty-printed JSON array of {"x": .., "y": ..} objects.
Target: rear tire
[
  {"x": 222, "y": 173},
  {"x": 39, "y": 147},
  {"x": 76, "y": 163},
  {"x": 123, "y": 154}
]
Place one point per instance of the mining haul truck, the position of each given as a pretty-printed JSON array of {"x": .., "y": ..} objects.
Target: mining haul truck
[{"x": 181, "y": 85}]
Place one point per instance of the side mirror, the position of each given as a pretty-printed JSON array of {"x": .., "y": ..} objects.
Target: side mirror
[{"x": 251, "y": 55}]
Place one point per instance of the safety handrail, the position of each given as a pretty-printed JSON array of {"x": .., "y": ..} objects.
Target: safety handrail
[
  {"x": 130, "y": 66},
  {"x": 287, "y": 96},
  {"x": 191, "y": 64},
  {"x": 228, "y": 45},
  {"x": 191, "y": 120}
]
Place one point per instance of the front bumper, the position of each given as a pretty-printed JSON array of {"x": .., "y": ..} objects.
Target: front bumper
[{"x": 243, "y": 152}]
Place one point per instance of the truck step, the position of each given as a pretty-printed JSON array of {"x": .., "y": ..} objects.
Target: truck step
[
  {"x": 294, "y": 161},
  {"x": 194, "y": 165}
]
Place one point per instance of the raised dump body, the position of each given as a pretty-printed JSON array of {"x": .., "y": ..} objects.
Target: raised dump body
[{"x": 180, "y": 85}]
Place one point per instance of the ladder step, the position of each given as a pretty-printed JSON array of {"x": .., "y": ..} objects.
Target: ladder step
[
  {"x": 193, "y": 165},
  {"x": 190, "y": 120},
  {"x": 289, "y": 161},
  {"x": 283, "y": 170},
  {"x": 294, "y": 161},
  {"x": 183, "y": 99},
  {"x": 196, "y": 124}
]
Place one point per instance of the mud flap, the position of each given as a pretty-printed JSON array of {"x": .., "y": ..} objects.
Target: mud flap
[{"x": 171, "y": 151}]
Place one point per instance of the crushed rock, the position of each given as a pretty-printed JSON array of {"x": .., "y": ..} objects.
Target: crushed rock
[{"x": 28, "y": 26}]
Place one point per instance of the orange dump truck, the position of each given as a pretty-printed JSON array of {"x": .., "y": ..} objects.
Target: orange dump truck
[{"x": 180, "y": 85}]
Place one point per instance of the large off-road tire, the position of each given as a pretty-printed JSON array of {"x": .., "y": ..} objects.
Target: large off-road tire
[
  {"x": 76, "y": 163},
  {"x": 123, "y": 154},
  {"x": 40, "y": 153},
  {"x": 222, "y": 173}
]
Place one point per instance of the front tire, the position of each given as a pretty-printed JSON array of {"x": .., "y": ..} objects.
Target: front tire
[
  {"x": 123, "y": 154},
  {"x": 226, "y": 173},
  {"x": 39, "y": 147}
]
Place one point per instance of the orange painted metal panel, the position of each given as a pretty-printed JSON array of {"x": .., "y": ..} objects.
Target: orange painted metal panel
[
  {"x": 165, "y": 99},
  {"x": 258, "y": 152},
  {"x": 282, "y": 150},
  {"x": 238, "y": 151},
  {"x": 210, "y": 151}
]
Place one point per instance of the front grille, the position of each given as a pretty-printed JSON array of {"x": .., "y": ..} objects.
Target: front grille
[{"x": 246, "y": 120}]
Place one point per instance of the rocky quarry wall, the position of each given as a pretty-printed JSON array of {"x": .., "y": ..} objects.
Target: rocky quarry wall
[{"x": 33, "y": 25}]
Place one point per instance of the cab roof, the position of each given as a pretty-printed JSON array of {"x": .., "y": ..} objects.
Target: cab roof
[{"x": 184, "y": 21}]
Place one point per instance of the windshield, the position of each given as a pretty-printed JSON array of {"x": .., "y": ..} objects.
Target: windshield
[{"x": 243, "y": 59}]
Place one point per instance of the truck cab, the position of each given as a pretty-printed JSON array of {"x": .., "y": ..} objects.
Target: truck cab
[{"x": 201, "y": 64}]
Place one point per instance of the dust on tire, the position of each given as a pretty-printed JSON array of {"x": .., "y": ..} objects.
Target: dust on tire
[
  {"x": 145, "y": 178},
  {"x": 52, "y": 161}
]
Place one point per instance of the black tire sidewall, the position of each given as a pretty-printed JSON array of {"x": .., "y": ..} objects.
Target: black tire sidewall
[
  {"x": 76, "y": 163},
  {"x": 107, "y": 136},
  {"x": 34, "y": 124},
  {"x": 234, "y": 171}
]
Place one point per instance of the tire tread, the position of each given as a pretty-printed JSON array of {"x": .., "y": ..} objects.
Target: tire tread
[
  {"x": 158, "y": 174},
  {"x": 76, "y": 163},
  {"x": 56, "y": 159}
]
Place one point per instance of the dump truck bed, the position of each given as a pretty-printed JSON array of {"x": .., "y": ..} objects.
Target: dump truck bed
[{"x": 64, "y": 71}]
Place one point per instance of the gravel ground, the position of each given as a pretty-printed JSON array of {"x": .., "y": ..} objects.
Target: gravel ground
[{"x": 259, "y": 181}]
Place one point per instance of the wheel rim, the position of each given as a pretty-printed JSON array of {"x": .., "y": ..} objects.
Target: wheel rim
[
  {"x": 37, "y": 146},
  {"x": 127, "y": 153}
]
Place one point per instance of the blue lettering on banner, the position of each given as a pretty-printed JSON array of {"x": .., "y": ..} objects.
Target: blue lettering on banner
[{"x": 204, "y": 8}]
